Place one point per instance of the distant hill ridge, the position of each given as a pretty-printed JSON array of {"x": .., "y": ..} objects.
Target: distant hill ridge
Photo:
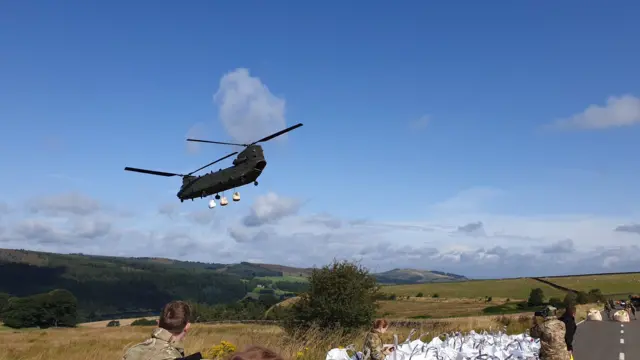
[
  {"x": 244, "y": 270},
  {"x": 413, "y": 276}
]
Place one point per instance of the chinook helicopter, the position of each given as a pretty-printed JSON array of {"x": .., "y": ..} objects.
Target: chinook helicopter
[{"x": 246, "y": 169}]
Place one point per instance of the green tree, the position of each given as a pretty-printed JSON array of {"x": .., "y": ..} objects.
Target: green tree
[
  {"x": 341, "y": 295},
  {"x": 596, "y": 295},
  {"x": 536, "y": 297},
  {"x": 582, "y": 297}
]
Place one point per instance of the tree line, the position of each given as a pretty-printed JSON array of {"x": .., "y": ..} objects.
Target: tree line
[{"x": 57, "y": 308}]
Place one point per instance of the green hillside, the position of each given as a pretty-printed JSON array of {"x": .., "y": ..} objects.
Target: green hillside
[{"x": 412, "y": 276}]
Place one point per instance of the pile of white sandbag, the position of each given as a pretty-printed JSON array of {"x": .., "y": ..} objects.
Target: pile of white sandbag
[
  {"x": 621, "y": 316},
  {"x": 594, "y": 315},
  {"x": 471, "y": 346}
]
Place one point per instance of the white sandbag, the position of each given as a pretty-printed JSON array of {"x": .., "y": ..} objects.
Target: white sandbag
[
  {"x": 621, "y": 316},
  {"x": 338, "y": 354},
  {"x": 495, "y": 346},
  {"x": 594, "y": 315}
]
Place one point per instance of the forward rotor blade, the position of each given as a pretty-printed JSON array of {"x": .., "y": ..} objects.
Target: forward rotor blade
[
  {"x": 215, "y": 142},
  {"x": 278, "y": 133},
  {"x": 212, "y": 163},
  {"x": 152, "y": 172}
]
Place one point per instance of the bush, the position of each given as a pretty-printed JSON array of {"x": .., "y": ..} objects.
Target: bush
[
  {"x": 420, "y": 294},
  {"x": 436, "y": 295},
  {"x": 144, "y": 322},
  {"x": 582, "y": 298},
  {"x": 341, "y": 295},
  {"x": 556, "y": 302},
  {"x": 536, "y": 297},
  {"x": 113, "y": 323}
]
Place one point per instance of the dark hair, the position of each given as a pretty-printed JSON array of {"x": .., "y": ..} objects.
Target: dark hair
[
  {"x": 380, "y": 323},
  {"x": 570, "y": 309},
  {"x": 175, "y": 316},
  {"x": 255, "y": 352}
]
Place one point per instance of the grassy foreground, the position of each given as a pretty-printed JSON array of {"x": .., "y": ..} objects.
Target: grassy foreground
[{"x": 110, "y": 343}]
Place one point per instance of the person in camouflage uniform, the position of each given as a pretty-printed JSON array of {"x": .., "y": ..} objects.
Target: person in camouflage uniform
[
  {"x": 166, "y": 340},
  {"x": 551, "y": 334},
  {"x": 607, "y": 309},
  {"x": 373, "y": 346}
]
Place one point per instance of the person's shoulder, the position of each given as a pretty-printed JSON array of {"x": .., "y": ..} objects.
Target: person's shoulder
[{"x": 151, "y": 349}]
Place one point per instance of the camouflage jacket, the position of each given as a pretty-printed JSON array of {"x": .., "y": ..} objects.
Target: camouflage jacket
[
  {"x": 159, "y": 347},
  {"x": 373, "y": 347},
  {"x": 551, "y": 334}
]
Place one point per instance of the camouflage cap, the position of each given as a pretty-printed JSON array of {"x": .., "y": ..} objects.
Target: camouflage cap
[{"x": 550, "y": 308}]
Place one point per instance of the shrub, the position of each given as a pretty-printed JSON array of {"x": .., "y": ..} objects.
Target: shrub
[
  {"x": 144, "y": 322},
  {"x": 113, "y": 323},
  {"x": 436, "y": 295},
  {"x": 220, "y": 351},
  {"x": 419, "y": 294},
  {"x": 341, "y": 295},
  {"x": 536, "y": 297}
]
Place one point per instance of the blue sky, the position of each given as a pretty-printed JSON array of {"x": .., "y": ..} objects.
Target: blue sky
[{"x": 439, "y": 115}]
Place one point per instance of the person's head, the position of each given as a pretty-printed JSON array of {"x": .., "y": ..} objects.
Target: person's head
[
  {"x": 570, "y": 310},
  {"x": 175, "y": 319},
  {"x": 549, "y": 311},
  {"x": 380, "y": 325},
  {"x": 255, "y": 352}
]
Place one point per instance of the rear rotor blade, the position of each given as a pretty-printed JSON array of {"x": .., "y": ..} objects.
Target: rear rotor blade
[
  {"x": 278, "y": 133},
  {"x": 212, "y": 163},
  {"x": 152, "y": 172},
  {"x": 216, "y": 142}
]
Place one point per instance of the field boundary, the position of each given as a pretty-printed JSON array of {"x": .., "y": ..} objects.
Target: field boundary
[{"x": 554, "y": 285}]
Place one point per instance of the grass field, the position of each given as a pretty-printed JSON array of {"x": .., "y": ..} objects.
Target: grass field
[
  {"x": 608, "y": 284},
  {"x": 102, "y": 343},
  {"x": 430, "y": 308},
  {"x": 299, "y": 279},
  {"x": 510, "y": 288},
  {"x": 109, "y": 343}
]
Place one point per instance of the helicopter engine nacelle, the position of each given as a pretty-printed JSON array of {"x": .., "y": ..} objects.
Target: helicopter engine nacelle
[
  {"x": 212, "y": 204},
  {"x": 236, "y": 196}
]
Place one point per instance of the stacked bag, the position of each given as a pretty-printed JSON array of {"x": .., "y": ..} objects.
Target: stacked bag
[
  {"x": 459, "y": 346},
  {"x": 621, "y": 316},
  {"x": 594, "y": 315}
]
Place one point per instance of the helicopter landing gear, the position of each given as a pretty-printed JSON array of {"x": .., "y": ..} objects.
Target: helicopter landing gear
[{"x": 255, "y": 183}]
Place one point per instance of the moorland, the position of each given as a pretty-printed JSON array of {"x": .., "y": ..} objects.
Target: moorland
[{"x": 115, "y": 288}]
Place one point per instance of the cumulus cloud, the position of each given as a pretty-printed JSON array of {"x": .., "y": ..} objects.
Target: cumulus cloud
[
  {"x": 629, "y": 228},
  {"x": 560, "y": 247},
  {"x": 474, "y": 229},
  {"x": 619, "y": 111},
  {"x": 69, "y": 203},
  {"x": 247, "y": 108},
  {"x": 270, "y": 208},
  {"x": 275, "y": 229}
]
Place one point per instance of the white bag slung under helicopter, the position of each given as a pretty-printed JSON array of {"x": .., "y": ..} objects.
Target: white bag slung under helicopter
[{"x": 458, "y": 346}]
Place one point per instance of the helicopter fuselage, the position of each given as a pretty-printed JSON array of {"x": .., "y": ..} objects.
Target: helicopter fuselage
[{"x": 247, "y": 167}]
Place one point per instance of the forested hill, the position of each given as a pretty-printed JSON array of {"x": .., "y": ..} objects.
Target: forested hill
[{"x": 108, "y": 287}]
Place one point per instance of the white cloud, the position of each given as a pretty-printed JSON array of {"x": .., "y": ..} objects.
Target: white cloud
[
  {"x": 279, "y": 232},
  {"x": 247, "y": 109},
  {"x": 618, "y": 112}
]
